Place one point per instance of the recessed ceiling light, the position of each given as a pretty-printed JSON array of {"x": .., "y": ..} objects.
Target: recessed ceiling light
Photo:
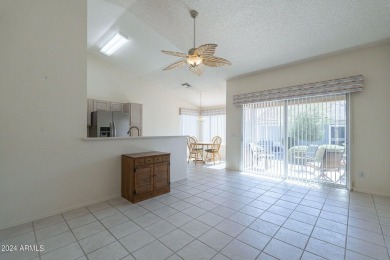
[{"x": 114, "y": 44}]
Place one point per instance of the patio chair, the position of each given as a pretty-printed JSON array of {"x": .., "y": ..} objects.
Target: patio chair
[
  {"x": 214, "y": 150},
  {"x": 259, "y": 154},
  {"x": 311, "y": 153},
  {"x": 330, "y": 161}
]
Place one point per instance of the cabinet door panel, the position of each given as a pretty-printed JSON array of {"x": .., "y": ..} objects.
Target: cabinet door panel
[
  {"x": 115, "y": 106},
  {"x": 136, "y": 114},
  {"x": 143, "y": 178},
  {"x": 101, "y": 105},
  {"x": 161, "y": 175}
]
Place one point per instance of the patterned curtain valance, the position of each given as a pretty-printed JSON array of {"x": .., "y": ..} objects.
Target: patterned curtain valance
[
  {"x": 335, "y": 86},
  {"x": 214, "y": 112},
  {"x": 188, "y": 112}
]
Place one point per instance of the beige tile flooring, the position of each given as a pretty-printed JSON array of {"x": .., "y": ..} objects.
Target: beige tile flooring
[{"x": 216, "y": 214}]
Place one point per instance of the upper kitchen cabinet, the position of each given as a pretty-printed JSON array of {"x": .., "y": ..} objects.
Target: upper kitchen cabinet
[
  {"x": 135, "y": 112},
  {"x": 95, "y": 105},
  {"x": 115, "y": 106},
  {"x": 101, "y": 105}
]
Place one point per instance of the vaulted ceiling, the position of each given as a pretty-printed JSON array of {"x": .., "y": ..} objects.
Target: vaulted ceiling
[{"x": 253, "y": 34}]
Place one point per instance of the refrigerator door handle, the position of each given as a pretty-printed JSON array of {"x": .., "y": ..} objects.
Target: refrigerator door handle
[{"x": 113, "y": 130}]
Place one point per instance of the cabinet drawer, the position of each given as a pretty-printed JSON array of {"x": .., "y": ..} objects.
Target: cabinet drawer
[
  {"x": 139, "y": 161},
  {"x": 158, "y": 159},
  {"x": 148, "y": 160},
  {"x": 165, "y": 158}
]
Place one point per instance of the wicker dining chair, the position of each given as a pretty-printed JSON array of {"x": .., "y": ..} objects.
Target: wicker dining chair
[
  {"x": 212, "y": 139},
  {"x": 213, "y": 152},
  {"x": 193, "y": 151}
]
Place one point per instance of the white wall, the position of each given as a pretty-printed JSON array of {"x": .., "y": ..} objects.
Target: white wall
[
  {"x": 370, "y": 143},
  {"x": 45, "y": 166},
  {"x": 160, "y": 108}
]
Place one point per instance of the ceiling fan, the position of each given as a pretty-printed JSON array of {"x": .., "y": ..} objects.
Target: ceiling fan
[{"x": 198, "y": 57}]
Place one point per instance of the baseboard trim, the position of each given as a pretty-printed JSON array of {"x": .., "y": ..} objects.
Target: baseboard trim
[
  {"x": 56, "y": 212},
  {"x": 370, "y": 192}
]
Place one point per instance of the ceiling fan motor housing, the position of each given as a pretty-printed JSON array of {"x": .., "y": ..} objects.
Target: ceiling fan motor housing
[
  {"x": 192, "y": 51},
  {"x": 194, "y": 14}
]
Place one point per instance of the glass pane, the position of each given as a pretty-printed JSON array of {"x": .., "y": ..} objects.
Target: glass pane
[
  {"x": 310, "y": 146},
  {"x": 317, "y": 139},
  {"x": 263, "y": 150}
]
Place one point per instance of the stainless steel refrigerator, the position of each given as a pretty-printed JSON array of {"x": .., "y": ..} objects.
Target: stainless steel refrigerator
[{"x": 109, "y": 124}]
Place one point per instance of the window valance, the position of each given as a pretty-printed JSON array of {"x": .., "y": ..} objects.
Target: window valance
[
  {"x": 188, "y": 112},
  {"x": 213, "y": 112},
  {"x": 208, "y": 112},
  {"x": 335, "y": 86}
]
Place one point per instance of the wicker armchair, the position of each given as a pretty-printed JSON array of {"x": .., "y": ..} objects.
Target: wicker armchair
[
  {"x": 193, "y": 151},
  {"x": 328, "y": 159},
  {"x": 213, "y": 152}
]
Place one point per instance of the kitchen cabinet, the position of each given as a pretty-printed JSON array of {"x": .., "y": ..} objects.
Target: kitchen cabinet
[
  {"x": 95, "y": 105},
  {"x": 133, "y": 109},
  {"x": 145, "y": 175},
  {"x": 115, "y": 106},
  {"x": 135, "y": 113},
  {"x": 101, "y": 105}
]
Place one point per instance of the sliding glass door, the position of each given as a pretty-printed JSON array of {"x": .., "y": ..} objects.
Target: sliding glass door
[
  {"x": 301, "y": 139},
  {"x": 263, "y": 135}
]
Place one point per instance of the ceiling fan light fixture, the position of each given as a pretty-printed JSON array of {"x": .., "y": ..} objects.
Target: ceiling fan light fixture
[
  {"x": 197, "y": 57},
  {"x": 194, "y": 60}
]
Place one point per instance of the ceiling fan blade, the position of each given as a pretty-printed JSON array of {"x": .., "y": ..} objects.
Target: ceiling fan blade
[
  {"x": 215, "y": 61},
  {"x": 178, "y": 54},
  {"x": 197, "y": 70},
  {"x": 176, "y": 65},
  {"x": 206, "y": 50}
]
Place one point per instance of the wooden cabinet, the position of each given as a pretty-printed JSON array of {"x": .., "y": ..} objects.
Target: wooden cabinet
[{"x": 145, "y": 175}]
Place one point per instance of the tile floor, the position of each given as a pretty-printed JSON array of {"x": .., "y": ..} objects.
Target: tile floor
[{"x": 216, "y": 214}]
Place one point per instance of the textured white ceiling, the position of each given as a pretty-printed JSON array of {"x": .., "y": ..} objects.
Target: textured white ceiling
[{"x": 252, "y": 34}]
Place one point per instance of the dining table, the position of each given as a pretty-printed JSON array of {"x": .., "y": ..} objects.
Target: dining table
[{"x": 202, "y": 145}]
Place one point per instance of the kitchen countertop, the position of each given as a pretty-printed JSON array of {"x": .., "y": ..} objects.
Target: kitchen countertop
[
  {"x": 145, "y": 154},
  {"x": 128, "y": 138}
]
